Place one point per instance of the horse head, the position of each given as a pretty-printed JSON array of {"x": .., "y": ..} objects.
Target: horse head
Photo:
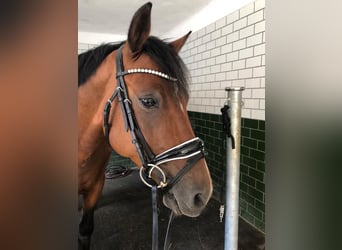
[{"x": 159, "y": 104}]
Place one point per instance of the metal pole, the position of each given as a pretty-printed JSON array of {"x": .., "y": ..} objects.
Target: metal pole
[{"x": 233, "y": 170}]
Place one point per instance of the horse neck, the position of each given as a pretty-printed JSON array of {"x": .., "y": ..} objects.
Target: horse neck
[{"x": 92, "y": 97}]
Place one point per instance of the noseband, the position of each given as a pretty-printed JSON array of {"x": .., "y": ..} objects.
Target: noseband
[{"x": 193, "y": 149}]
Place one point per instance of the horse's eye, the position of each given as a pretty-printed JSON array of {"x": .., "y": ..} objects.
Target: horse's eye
[{"x": 149, "y": 102}]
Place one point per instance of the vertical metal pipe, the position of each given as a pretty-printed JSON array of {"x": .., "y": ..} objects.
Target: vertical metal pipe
[{"x": 233, "y": 170}]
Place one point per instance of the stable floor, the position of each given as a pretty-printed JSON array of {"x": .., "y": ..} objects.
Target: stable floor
[{"x": 123, "y": 221}]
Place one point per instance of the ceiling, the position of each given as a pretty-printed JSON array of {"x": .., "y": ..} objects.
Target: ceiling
[{"x": 108, "y": 20}]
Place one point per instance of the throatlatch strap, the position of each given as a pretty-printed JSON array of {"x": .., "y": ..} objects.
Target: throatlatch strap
[{"x": 106, "y": 112}]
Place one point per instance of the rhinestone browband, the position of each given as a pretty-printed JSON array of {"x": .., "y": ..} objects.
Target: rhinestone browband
[{"x": 152, "y": 72}]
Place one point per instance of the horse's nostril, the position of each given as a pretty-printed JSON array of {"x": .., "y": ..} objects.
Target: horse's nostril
[{"x": 198, "y": 200}]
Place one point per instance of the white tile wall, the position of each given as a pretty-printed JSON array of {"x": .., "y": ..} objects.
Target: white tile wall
[
  {"x": 255, "y": 17},
  {"x": 229, "y": 52},
  {"x": 248, "y": 9}
]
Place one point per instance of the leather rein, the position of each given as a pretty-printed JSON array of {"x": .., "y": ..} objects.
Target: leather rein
[{"x": 193, "y": 149}]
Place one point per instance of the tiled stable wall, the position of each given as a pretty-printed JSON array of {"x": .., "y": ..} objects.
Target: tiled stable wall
[
  {"x": 252, "y": 162},
  {"x": 229, "y": 53}
]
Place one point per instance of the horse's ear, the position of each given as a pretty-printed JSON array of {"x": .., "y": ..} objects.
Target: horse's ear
[
  {"x": 178, "y": 44},
  {"x": 139, "y": 29}
]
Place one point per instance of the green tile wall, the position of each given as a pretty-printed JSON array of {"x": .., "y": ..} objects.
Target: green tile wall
[
  {"x": 252, "y": 162},
  {"x": 117, "y": 160}
]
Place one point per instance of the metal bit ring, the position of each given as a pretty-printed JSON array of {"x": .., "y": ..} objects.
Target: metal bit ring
[{"x": 162, "y": 183}]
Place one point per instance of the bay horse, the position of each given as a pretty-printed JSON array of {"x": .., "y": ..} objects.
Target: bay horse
[{"x": 132, "y": 98}]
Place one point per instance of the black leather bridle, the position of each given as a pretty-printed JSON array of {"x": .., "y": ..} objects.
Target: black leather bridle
[{"x": 193, "y": 149}]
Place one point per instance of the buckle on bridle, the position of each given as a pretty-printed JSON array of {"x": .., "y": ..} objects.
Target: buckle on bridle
[{"x": 162, "y": 183}]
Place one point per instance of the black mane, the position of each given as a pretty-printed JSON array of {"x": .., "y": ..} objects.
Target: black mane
[
  {"x": 160, "y": 52},
  {"x": 90, "y": 60}
]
